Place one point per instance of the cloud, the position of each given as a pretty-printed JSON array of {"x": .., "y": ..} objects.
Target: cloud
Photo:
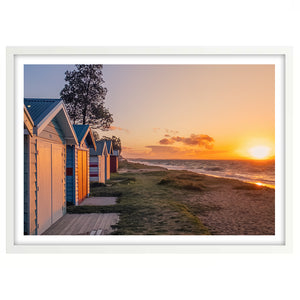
[
  {"x": 118, "y": 128},
  {"x": 170, "y": 131},
  {"x": 167, "y": 135},
  {"x": 166, "y": 142},
  {"x": 200, "y": 140}
]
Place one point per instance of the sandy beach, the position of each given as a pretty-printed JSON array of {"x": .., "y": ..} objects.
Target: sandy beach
[
  {"x": 240, "y": 212},
  {"x": 169, "y": 202}
]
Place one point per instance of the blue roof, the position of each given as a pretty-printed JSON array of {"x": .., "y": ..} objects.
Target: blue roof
[
  {"x": 80, "y": 131},
  {"x": 100, "y": 145},
  {"x": 39, "y": 108},
  {"x": 108, "y": 144}
]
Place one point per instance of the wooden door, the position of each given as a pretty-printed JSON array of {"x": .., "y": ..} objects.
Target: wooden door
[
  {"x": 50, "y": 184},
  {"x": 84, "y": 174},
  {"x": 79, "y": 172},
  {"x": 44, "y": 186},
  {"x": 57, "y": 182},
  {"x": 102, "y": 159},
  {"x": 107, "y": 167}
]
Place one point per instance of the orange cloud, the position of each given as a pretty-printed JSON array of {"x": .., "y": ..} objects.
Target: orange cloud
[
  {"x": 166, "y": 142},
  {"x": 201, "y": 140},
  {"x": 118, "y": 128}
]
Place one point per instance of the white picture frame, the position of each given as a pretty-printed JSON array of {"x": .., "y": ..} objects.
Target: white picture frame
[{"x": 128, "y": 244}]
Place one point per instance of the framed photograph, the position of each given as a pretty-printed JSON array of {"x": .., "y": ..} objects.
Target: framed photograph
[{"x": 149, "y": 149}]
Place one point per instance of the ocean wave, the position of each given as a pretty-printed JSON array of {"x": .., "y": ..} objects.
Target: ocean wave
[
  {"x": 214, "y": 169},
  {"x": 249, "y": 171}
]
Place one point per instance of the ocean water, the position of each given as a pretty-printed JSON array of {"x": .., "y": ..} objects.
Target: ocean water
[{"x": 255, "y": 171}]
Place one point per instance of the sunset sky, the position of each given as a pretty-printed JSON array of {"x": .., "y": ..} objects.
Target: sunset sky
[{"x": 180, "y": 111}]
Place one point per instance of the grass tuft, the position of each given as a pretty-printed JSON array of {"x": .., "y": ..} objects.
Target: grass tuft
[
  {"x": 97, "y": 184},
  {"x": 186, "y": 181}
]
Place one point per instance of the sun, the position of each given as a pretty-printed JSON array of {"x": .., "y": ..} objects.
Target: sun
[{"x": 260, "y": 152}]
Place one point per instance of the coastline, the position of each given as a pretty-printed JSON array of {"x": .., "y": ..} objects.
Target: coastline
[
  {"x": 154, "y": 200},
  {"x": 272, "y": 186}
]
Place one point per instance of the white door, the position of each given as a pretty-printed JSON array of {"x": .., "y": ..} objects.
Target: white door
[
  {"x": 50, "y": 181},
  {"x": 57, "y": 182},
  {"x": 43, "y": 186}
]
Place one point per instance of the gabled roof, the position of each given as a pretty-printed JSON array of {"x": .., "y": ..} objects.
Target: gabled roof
[
  {"x": 28, "y": 122},
  {"x": 84, "y": 132},
  {"x": 101, "y": 149},
  {"x": 39, "y": 108},
  {"x": 43, "y": 111},
  {"x": 109, "y": 147}
]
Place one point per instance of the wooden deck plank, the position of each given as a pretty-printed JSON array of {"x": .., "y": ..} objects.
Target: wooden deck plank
[
  {"x": 69, "y": 227},
  {"x": 58, "y": 225},
  {"x": 86, "y": 224},
  {"x": 78, "y": 224},
  {"x": 101, "y": 225},
  {"x": 98, "y": 222},
  {"x": 94, "y": 222},
  {"x": 108, "y": 221},
  {"x": 104, "y": 224},
  {"x": 101, "y": 201}
]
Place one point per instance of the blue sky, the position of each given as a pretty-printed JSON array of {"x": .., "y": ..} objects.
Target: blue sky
[{"x": 44, "y": 81}]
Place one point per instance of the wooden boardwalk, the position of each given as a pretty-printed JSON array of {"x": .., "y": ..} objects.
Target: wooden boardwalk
[
  {"x": 84, "y": 224},
  {"x": 102, "y": 201}
]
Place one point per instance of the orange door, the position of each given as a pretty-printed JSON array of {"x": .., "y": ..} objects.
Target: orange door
[
  {"x": 82, "y": 175},
  {"x": 79, "y": 172}
]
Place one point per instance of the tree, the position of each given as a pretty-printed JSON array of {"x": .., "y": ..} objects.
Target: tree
[
  {"x": 96, "y": 135},
  {"x": 115, "y": 141},
  {"x": 84, "y": 97}
]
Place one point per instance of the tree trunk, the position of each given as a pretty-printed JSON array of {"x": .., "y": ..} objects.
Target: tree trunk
[{"x": 84, "y": 115}]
